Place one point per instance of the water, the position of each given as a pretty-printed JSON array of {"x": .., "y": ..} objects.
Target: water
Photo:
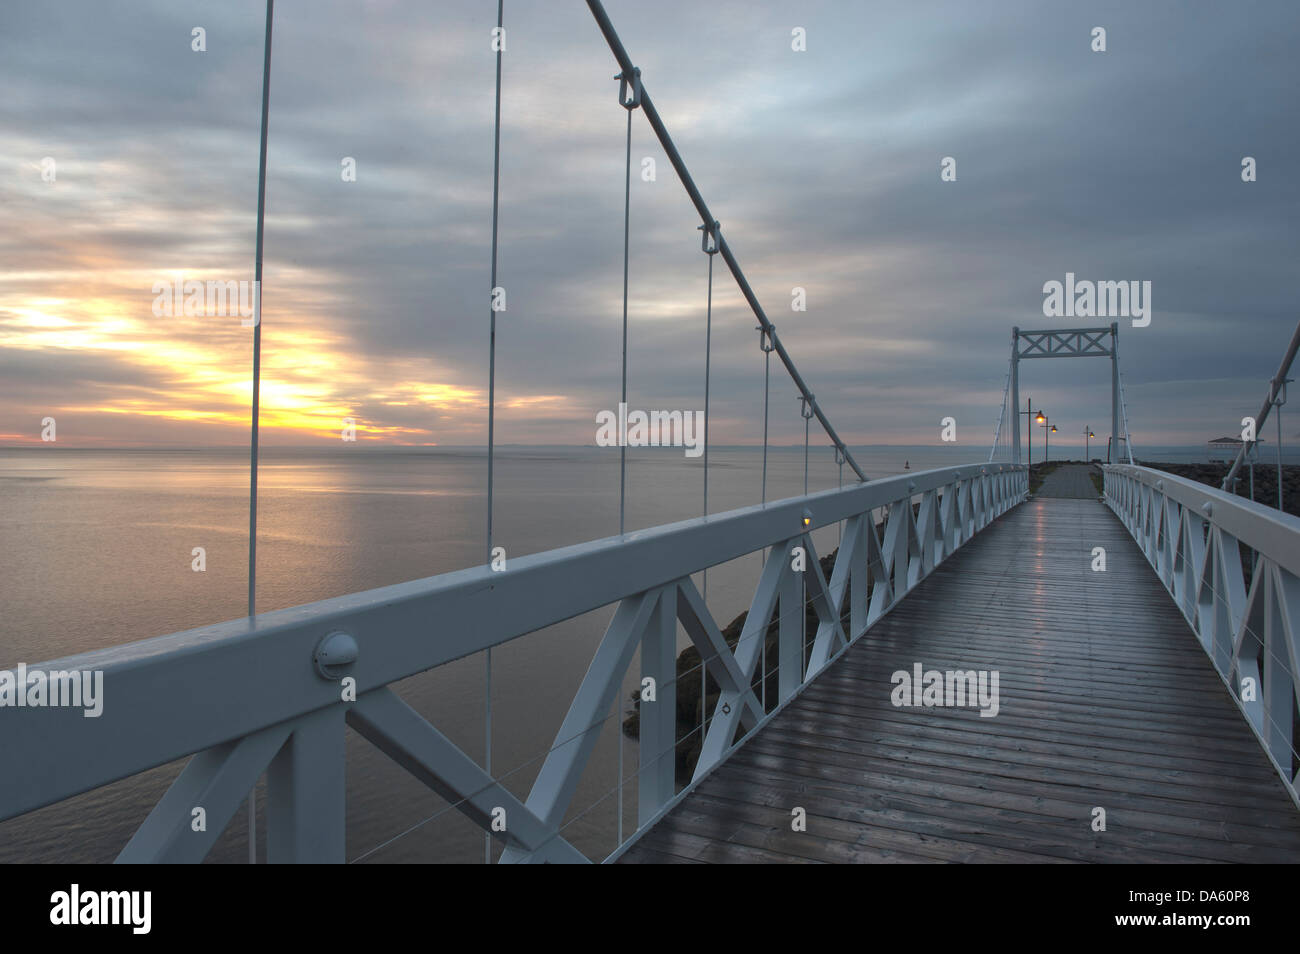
[{"x": 98, "y": 550}]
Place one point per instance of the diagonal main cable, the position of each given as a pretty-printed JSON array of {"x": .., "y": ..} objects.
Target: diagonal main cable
[{"x": 661, "y": 133}]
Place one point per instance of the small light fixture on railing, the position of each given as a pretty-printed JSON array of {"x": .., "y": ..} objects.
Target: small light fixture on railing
[
  {"x": 807, "y": 518},
  {"x": 1208, "y": 508},
  {"x": 335, "y": 655}
]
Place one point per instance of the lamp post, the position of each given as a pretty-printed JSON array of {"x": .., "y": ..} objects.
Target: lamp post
[
  {"x": 1045, "y": 424},
  {"x": 1087, "y": 453},
  {"x": 1029, "y": 430}
]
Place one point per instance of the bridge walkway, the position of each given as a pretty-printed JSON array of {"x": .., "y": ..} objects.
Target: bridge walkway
[
  {"x": 1106, "y": 701},
  {"x": 1073, "y": 481}
]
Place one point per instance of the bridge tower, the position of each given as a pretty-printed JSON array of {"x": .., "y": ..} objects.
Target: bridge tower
[{"x": 1068, "y": 343}]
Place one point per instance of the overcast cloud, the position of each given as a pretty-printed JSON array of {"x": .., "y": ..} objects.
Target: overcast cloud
[{"x": 823, "y": 167}]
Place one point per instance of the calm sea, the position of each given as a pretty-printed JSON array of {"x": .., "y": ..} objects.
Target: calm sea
[{"x": 96, "y": 550}]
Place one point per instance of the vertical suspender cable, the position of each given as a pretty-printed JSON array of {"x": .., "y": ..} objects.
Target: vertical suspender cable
[
  {"x": 492, "y": 397},
  {"x": 683, "y": 174},
  {"x": 708, "y": 353},
  {"x": 1251, "y": 460},
  {"x": 839, "y": 527},
  {"x": 1279, "y": 400},
  {"x": 257, "y": 380},
  {"x": 627, "y": 210},
  {"x": 1278, "y": 381},
  {"x": 1123, "y": 407},
  {"x": 765, "y": 343},
  {"x": 806, "y": 412},
  {"x": 629, "y": 105},
  {"x": 805, "y": 457},
  {"x": 710, "y": 251},
  {"x": 628, "y": 102},
  {"x": 1002, "y": 416}
]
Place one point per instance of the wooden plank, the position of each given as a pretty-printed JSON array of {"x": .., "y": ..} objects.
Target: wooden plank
[
  {"x": 1105, "y": 700},
  {"x": 952, "y": 800}
]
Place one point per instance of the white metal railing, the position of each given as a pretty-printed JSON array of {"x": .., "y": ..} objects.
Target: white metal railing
[
  {"x": 272, "y": 693},
  {"x": 1246, "y": 615}
]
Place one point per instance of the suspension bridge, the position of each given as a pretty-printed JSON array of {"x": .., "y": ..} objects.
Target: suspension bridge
[{"x": 962, "y": 681}]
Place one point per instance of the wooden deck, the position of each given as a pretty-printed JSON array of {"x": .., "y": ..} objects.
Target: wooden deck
[
  {"x": 1106, "y": 700},
  {"x": 1072, "y": 481}
]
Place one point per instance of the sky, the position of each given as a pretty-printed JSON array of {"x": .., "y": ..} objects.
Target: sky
[{"x": 823, "y": 166}]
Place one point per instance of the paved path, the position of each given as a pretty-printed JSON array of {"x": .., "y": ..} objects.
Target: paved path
[
  {"x": 1106, "y": 701},
  {"x": 1071, "y": 481}
]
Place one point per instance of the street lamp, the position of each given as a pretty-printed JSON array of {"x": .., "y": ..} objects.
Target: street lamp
[
  {"x": 1087, "y": 454},
  {"x": 1048, "y": 429},
  {"x": 1029, "y": 430}
]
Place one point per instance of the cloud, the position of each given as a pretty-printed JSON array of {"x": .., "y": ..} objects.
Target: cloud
[{"x": 822, "y": 166}]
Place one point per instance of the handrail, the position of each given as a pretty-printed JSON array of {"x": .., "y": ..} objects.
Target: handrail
[
  {"x": 236, "y": 692},
  {"x": 1247, "y": 619},
  {"x": 1262, "y": 528}
]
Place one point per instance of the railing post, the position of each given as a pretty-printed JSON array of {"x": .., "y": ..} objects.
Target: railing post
[
  {"x": 1279, "y": 694},
  {"x": 859, "y": 527},
  {"x": 790, "y": 649},
  {"x": 306, "y": 793},
  {"x": 658, "y": 719}
]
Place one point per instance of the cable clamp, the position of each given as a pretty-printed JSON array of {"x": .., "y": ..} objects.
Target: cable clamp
[
  {"x": 1279, "y": 391},
  {"x": 765, "y": 342},
  {"x": 710, "y": 232},
  {"x": 629, "y": 102},
  {"x": 806, "y": 405}
]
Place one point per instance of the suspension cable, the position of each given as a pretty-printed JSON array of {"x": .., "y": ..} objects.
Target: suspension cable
[
  {"x": 257, "y": 380},
  {"x": 1002, "y": 416},
  {"x": 709, "y": 250},
  {"x": 765, "y": 345},
  {"x": 806, "y": 408},
  {"x": 1277, "y": 380},
  {"x": 674, "y": 157},
  {"x": 629, "y": 101},
  {"x": 492, "y": 395},
  {"x": 1123, "y": 409},
  {"x": 839, "y": 462},
  {"x": 1279, "y": 398}
]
